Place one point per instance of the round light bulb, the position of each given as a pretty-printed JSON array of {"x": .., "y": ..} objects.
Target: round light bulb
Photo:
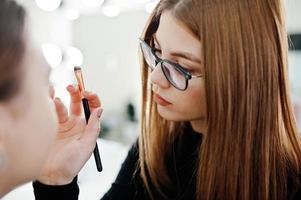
[
  {"x": 111, "y": 11},
  {"x": 48, "y": 5},
  {"x": 53, "y": 54},
  {"x": 75, "y": 56},
  {"x": 92, "y": 3},
  {"x": 72, "y": 14}
]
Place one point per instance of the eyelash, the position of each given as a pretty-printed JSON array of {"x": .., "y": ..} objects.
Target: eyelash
[{"x": 186, "y": 68}]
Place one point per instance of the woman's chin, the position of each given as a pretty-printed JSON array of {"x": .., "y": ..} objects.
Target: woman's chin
[{"x": 168, "y": 114}]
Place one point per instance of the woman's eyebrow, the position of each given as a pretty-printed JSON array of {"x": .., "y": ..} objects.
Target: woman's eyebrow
[{"x": 185, "y": 55}]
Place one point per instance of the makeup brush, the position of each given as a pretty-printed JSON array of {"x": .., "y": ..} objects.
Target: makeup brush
[{"x": 85, "y": 102}]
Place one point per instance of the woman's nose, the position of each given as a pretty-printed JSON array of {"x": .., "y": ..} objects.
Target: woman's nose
[{"x": 157, "y": 77}]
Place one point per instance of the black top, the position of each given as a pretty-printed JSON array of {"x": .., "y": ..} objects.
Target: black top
[{"x": 128, "y": 184}]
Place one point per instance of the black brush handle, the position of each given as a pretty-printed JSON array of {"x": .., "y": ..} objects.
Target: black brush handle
[{"x": 95, "y": 152}]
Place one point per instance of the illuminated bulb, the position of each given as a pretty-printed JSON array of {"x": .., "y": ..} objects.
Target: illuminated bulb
[
  {"x": 72, "y": 14},
  {"x": 48, "y": 5},
  {"x": 93, "y": 3},
  {"x": 111, "y": 11},
  {"x": 53, "y": 54},
  {"x": 75, "y": 56}
]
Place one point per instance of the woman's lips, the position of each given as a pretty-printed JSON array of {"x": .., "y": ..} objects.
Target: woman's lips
[{"x": 160, "y": 100}]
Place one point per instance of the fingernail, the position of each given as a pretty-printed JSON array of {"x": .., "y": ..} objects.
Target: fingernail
[
  {"x": 57, "y": 99},
  {"x": 99, "y": 112},
  {"x": 70, "y": 87}
]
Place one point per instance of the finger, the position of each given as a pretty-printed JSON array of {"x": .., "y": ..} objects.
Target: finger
[
  {"x": 51, "y": 91},
  {"x": 91, "y": 133},
  {"x": 75, "y": 100},
  {"x": 74, "y": 126},
  {"x": 61, "y": 110},
  {"x": 94, "y": 101}
]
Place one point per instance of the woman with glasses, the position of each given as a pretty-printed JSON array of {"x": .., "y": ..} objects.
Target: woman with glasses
[{"x": 217, "y": 120}]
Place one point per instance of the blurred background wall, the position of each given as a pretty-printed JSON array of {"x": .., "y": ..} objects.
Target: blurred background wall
[{"x": 293, "y": 8}]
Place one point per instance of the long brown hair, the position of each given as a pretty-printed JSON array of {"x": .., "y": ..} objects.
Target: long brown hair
[
  {"x": 252, "y": 147},
  {"x": 12, "y": 19}
]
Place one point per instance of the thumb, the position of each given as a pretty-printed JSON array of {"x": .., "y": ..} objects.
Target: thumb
[{"x": 92, "y": 129}]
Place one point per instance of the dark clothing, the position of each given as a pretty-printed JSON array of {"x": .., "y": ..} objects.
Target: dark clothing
[
  {"x": 128, "y": 184},
  {"x": 63, "y": 192}
]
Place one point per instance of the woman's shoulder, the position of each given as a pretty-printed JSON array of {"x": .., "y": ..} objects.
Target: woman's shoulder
[
  {"x": 294, "y": 187},
  {"x": 296, "y": 195}
]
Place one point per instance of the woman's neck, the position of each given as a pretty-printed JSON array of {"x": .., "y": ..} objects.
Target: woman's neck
[{"x": 199, "y": 126}]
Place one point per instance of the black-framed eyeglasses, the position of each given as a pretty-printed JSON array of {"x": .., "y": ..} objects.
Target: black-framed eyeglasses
[{"x": 177, "y": 75}]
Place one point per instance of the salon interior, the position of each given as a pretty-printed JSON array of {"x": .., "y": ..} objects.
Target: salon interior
[{"x": 101, "y": 36}]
